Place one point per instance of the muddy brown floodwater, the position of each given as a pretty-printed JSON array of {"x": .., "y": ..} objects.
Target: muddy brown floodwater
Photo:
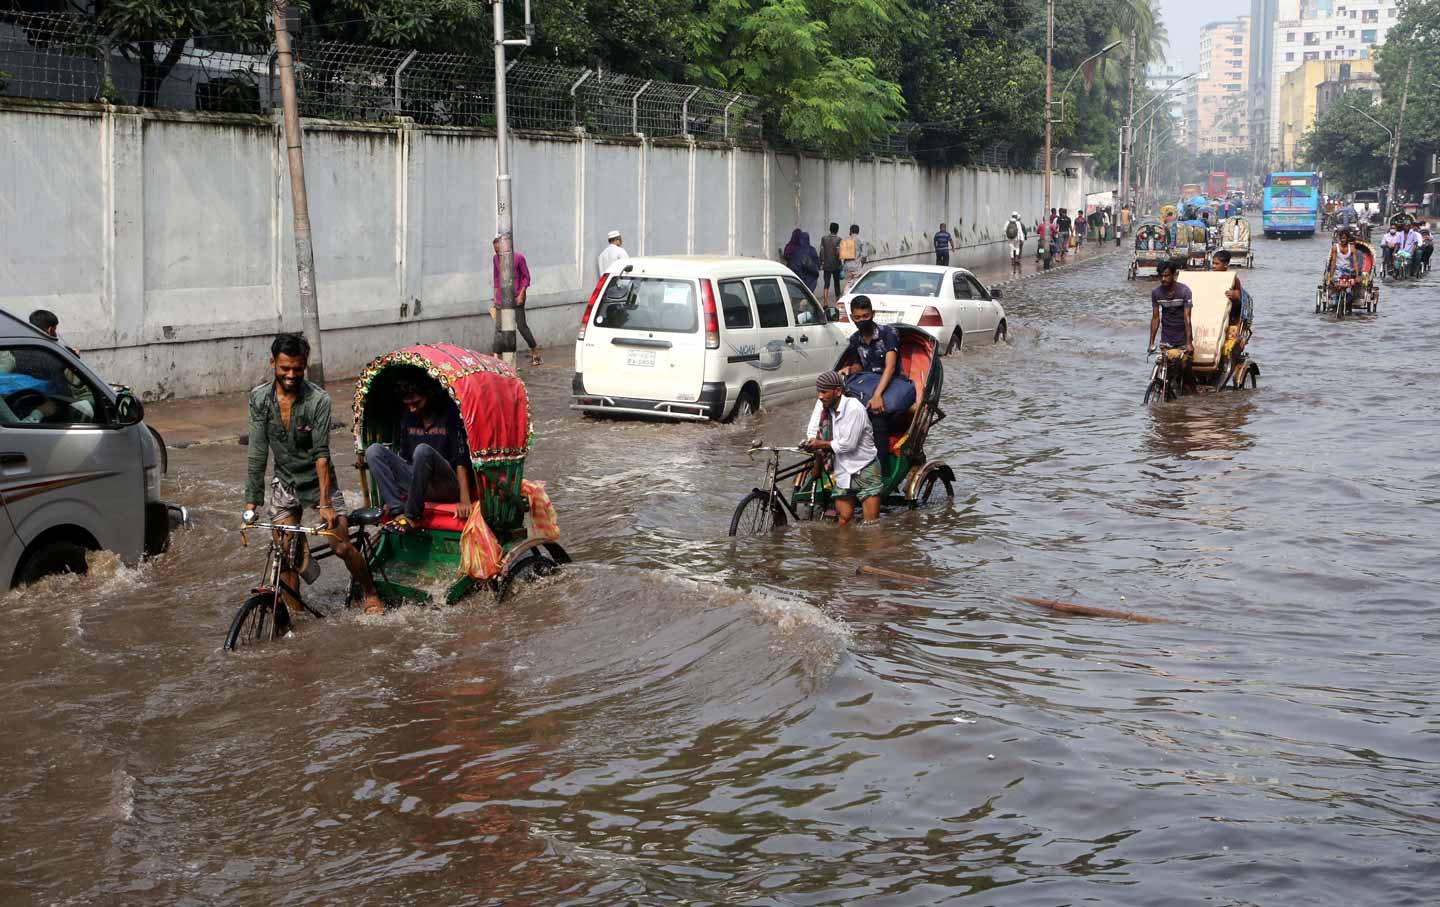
[{"x": 686, "y": 719}]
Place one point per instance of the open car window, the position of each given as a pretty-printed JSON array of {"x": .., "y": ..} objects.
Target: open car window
[
  {"x": 899, "y": 283},
  {"x": 37, "y": 387}
]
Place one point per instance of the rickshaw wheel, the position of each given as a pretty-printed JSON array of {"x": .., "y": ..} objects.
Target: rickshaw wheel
[
  {"x": 263, "y": 617},
  {"x": 933, "y": 474},
  {"x": 758, "y": 514},
  {"x": 536, "y": 564}
]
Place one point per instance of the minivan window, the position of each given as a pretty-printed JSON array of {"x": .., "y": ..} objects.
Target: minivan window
[
  {"x": 637, "y": 303},
  {"x": 735, "y": 304},
  {"x": 769, "y": 303},
  {"x": 900, "y": 283},
  {"x": 38, "y": 387},
  {"x": 805, "y": 309}
]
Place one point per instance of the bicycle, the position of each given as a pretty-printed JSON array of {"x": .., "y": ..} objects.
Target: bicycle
[
  {"x": 1166, "y": 383},
  {"x": 266, "y": 614},
  {"x": 765, "y": 508}
]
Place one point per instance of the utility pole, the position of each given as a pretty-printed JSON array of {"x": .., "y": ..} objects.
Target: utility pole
[
  {"x": 504, "y": 223},
  {"x": 1049, "y": 118},
  {"x": 1128, "y": 141},
  {"x": 299, "y": 201},
  {"x": 1395, "y": 143}
]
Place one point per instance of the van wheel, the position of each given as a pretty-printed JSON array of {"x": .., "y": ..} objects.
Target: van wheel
[
  {"x": 745, "y": 406},
  {"x": 50, "y": 558},
  {"x": 957, "y": 340}
]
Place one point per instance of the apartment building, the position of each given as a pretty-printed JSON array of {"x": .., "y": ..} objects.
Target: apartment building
[
  {"x": 1160, "y": 77},
  {"x": 1221, "y": 113},
  {"x": 1308, "y": 92}
]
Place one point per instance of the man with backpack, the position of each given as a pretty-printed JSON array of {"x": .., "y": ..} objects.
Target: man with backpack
[
  {"x": 852, "y": 256},
  {"x": 1015, "y": 233}
]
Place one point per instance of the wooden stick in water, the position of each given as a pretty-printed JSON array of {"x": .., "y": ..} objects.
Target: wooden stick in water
[
  {"x": 867, "y": 570},
  {"x": 1087, "y": 611}
]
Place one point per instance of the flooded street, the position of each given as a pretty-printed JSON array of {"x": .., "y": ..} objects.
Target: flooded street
[{"x": 682, "y": 718}]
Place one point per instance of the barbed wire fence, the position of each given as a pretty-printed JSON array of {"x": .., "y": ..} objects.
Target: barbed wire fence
[{"x": 67, "y": 57}]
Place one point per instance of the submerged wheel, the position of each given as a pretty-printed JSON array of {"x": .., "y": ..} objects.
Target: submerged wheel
[
  {"x": 957, "y": 340},
  {"x": 536, "y": 565},
  {"x": 1154, "y": 391},
  {"x": 758, "y": 514},
  {"x": 745, "y": 405},
  {"x": 262, "y": 618},
  {"x": 1002, "y": 331},
  {"x": 933, "y": 477},
  {"x": 51, "y": 558}
]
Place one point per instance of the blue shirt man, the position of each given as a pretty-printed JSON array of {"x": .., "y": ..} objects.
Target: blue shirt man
[
  {"x": 943, "y": 243},
  {"x": 1170, "y": 305}
]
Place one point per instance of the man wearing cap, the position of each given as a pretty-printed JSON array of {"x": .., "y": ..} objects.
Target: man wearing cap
[
  {"x": 841, "y": 425},
  {"x": 613, "y": 252}
]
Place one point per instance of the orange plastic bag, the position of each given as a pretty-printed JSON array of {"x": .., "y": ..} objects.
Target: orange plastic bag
[
  {"x": 480, "y": 554},
  {"x": 542, "y": 512}
]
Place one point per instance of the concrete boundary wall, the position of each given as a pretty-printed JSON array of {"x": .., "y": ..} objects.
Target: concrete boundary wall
[{"x": 162, "y": 239}]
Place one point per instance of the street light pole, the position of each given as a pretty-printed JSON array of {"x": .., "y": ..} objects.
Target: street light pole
[
  {"x": 1128, "y": 141},
  {"x": 1049, "y": 84},
  {"x": 1395, "y": 142},
  {"x": 504, "y": 219}
]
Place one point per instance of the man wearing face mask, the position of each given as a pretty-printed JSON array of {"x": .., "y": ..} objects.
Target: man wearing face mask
[{"x": 875, "y": 377}]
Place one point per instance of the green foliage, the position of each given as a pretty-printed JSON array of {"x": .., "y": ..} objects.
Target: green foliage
[
  {"x": 154, "y": 32},
  {"x": 4, "y": 79},
  {"x": 1353, "y": 152},
  {"x": 1415, "y": 36}
]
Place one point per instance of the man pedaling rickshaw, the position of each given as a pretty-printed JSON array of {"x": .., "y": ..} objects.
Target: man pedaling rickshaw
[
  {"x": 1170, "y": 305},
  {"x": 1344, "y": 266}
]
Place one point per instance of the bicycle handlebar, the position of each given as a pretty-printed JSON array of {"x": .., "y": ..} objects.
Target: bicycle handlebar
[{"x": 779, "y": 449}]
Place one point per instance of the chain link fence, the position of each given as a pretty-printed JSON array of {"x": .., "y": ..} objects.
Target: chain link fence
[{"x": 66, "y": 57}]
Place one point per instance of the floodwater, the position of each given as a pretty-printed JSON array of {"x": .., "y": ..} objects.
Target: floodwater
[{"x": 687, "y": 719}]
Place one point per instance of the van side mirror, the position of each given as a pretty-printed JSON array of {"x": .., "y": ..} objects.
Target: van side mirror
[
  {"x": 128, "y": 409},
  {"x": 832, "y": 313}
]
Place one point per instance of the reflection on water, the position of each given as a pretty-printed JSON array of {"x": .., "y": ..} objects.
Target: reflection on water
[{"x": 691, "y": 719}]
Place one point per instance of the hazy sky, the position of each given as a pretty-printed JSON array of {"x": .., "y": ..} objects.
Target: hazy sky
[{"x": 1184, "y": 19}]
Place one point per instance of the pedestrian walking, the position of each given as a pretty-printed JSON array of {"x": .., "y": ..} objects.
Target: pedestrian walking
[
  {"x": 1062, "y": 230},
  {"x": 1124, "y": 223},
  {"x": 853, "y": 256},
  {"x": 522, "y": 286},
  {"x": 614, "y": 252},
  {"x": 831, "y": 264},
  {"x": 943, "y": 242},
  {"x": 1080, "y": 228},
  {"x": 802, "y": 258}
]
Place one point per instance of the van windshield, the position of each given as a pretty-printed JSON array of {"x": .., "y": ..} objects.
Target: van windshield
[
  {"x": 900, "y": 283},
  {"x": 648, "y": 304}
]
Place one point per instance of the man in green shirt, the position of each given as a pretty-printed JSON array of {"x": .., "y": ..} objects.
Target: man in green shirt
[{"x": 290, "y": 418}]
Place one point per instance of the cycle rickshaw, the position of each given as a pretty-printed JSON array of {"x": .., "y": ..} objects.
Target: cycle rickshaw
[
  {"x": 1235, "y": 239},
  {"x": 442, "y": 559},
  {"x": 1151, "y": 248},
  {"x": 804, "y": 490},
  {"x": 1365, "y": 294},
  {"x": 1219, "y": 330}
]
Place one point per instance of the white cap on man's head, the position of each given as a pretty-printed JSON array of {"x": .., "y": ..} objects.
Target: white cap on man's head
[
  {"x": 613, "y": 234},
  {"x": 1014, "y": 213}
]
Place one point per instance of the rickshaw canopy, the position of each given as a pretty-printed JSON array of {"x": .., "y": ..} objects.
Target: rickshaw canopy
[{"x": 488, "y": 393}]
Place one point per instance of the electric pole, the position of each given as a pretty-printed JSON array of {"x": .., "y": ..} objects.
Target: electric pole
[
  {"x": 299, "y": 202},
  {"x": 1395, "y": 145},
  {"x": 504, "y": 224},
  {"x": 1049, "y": 118},
  {"x": 1129, "y": 138}
]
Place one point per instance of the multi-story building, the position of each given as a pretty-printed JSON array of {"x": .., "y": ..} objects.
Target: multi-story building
[
  {"x": 1323, "y": 30},
  {"x": 1161, "y": 77},
  {"x": 1307, "y": 92},
  {"x": 1222, "y": 115}
]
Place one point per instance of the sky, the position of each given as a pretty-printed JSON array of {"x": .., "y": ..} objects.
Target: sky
[{"x": 1184, "y": 19}]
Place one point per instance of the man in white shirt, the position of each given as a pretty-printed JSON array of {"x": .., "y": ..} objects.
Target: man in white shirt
[
  {"x": 613, "y": 252},
  {"x": 841, "y": 425}
]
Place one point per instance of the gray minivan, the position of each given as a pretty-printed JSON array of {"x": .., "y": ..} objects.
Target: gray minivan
[{"x": 79, "y": 469}]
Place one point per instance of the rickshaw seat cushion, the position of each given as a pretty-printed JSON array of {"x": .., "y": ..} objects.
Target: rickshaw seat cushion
[{"x": 441, "y": 517}]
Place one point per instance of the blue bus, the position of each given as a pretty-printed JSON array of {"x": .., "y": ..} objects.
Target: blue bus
[{"x": 1292, "y": 204}]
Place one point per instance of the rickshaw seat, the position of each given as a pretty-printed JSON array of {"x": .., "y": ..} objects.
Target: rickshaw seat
[
  {"x": 365, "y": 516},
  {"x": 441, "y": 517}
]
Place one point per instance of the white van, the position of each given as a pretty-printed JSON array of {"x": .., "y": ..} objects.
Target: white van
[
  {"x": 79, "y": 469},
  {"x": 700, "y": 337}
]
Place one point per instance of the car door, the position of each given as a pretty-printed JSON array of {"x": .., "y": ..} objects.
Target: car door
[
  {"x": 967, "y": 303},
  {"x": 775, "y": 339},
  {"x": 64, "y": 460},
  {"x": 987, "y": 313},
  {"x": 815, "y": 347}
]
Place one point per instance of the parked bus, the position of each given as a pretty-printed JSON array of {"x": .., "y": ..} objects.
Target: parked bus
[
  {"x": 1291, "y": 206},
  {"x": 1215, "y": 187}
]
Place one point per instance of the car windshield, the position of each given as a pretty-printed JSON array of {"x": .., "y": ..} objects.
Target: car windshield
[
  {"x": 899, "y": 283},
  {"x": 648, "y": 304}
]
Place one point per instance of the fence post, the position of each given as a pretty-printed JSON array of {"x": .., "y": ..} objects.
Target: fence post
[
  {"x": 635, "y": 109},
  {"x": 574, "y": 109},
  {"x": 727, "y": 115},
  {"x": 398, "y": 70},
  {"x": 685, "y": 113}
]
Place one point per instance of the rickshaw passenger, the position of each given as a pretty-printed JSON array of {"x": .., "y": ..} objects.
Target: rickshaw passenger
[
  {"x": 1237, "y": 329},
  {"x": 432, "y": 463},
  {"x": 839, "y": 425},
  {"x": 876, "y": 377},
  {"x": 1170, "y": 305}
]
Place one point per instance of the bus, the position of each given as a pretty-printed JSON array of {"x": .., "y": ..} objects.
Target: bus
[
  {"x": 1215, "y": 185},
  {"x": 1291, "y": 205}
]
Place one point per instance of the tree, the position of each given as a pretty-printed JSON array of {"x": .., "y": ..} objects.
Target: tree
[
  {"x": 155, "y": 33},
  {"x": 1352, "y": 151}
]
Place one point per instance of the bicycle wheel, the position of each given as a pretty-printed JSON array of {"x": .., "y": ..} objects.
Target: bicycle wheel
[
  {"x": 758, "y": 514},
  {"x": 262, "y": 618}
]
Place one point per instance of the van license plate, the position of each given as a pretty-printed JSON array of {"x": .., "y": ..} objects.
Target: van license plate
[{"x": 641, "y": 358}]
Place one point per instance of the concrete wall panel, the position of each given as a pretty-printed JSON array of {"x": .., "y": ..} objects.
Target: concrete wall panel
[
  {"x": 712, "y": 202},
  {"x": 667, "y": 193}
]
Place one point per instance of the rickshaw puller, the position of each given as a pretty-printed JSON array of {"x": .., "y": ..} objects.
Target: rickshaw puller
[
  {"x": 839, "y": 425},
  {"x": 1344, "y": 265},
  {"x": 290, "y": 417},
  {"x": 1170, "y": 305}
]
